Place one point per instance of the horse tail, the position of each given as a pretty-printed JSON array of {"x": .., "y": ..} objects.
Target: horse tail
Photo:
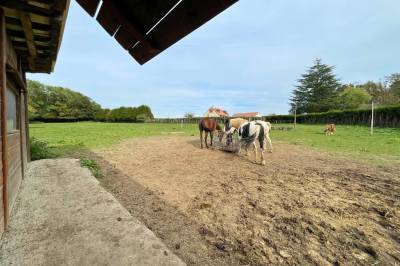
[
  {"x": 261, "y": 135},
  {"x": 269, "y": 127}
]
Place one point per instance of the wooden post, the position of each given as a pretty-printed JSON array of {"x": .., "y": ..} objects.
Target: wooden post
[
  {"x": 295, "y": 116},
  {"x": 372, "y": 117},
  {"x": 28, "y": 142},
  {"x": 3, "y": 109}
]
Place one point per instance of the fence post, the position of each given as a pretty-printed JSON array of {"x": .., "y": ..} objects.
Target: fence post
[{"x": 372, "y": 117}]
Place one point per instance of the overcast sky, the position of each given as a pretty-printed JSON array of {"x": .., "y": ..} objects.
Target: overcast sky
[{"x": 246, "y": 59}]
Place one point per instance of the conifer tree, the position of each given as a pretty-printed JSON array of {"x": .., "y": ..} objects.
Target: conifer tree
[{"x": 316, "y": 90}]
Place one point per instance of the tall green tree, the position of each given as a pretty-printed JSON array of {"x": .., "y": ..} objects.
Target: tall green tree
[
  {"x": 316, "y": 90},
  {"x": 394, "y": 84},
  {"x": 353, "y": 98},
  {"x": 387, "y": 93},
  {"x": 53, "y": 103}
]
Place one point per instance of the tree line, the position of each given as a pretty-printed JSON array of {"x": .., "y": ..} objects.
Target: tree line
[
  {"x": 319, "y": 90},
  {"x": 52, "y": 103}
]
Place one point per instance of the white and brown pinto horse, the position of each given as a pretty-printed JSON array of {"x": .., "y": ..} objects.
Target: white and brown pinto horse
[
  {"x": 249, "y": 133},
  {"x": 231, "y": 126},
  {"x": 267, "y": 129}
]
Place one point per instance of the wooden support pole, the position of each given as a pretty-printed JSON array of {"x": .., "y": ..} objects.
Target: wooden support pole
[
  {"x": 372, "y": 118},
  {"x": 3, "y": 109},
  {"x": 295, "y": 116}
]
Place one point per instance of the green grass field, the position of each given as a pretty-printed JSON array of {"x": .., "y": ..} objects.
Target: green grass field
[{"x": 66, "y": 138}]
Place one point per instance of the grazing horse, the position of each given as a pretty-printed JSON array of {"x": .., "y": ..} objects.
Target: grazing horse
[
  {"x": 248, "y": 134},
  {"x": 208, "y": 126},
  {"x": 230, "y": 127},
  {"x": 329, "y": 129}
]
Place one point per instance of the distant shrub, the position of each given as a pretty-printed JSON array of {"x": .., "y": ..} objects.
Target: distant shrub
[{"x": 40, "y": 149}]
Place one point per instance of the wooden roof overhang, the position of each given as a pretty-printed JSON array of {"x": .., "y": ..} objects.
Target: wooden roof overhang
[
  {"x": 35, "y": 29},
  {"x": 145, "y": 28}
]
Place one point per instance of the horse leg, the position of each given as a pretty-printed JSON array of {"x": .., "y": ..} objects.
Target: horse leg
[
  {"x": 269, "y": 142},
  {"x": 211, "y": 137},
  {"x": 247, "y": 149},
  {"x": 201, "y": 139},
  {"x": 262, "y": 156},
  {"x": 206, "y": 139},
  {"x": 255, "y": 151}
]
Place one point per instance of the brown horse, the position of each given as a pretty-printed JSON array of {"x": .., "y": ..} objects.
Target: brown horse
[{"x": 209, "y": 126}]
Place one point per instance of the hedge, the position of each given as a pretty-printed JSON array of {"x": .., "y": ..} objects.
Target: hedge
[{"x": 383, "y": 117}]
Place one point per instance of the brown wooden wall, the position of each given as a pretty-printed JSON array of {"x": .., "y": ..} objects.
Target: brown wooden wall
[
  {"x": 2, "y": 214},
  {"x": 14, "y": 167},
  {"x": 14, "y": 152},
  {"x": 3, "y": 79}
]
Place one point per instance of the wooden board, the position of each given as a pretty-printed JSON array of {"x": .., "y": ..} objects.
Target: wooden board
[
  {"x": 3, "y": 124},
  {"x": 14, "y": 167}
]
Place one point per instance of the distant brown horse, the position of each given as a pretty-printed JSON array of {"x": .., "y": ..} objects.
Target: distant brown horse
[{"x": 209, "y": 126}]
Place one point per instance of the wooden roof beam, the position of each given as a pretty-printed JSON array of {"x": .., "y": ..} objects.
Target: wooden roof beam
[
  {"x": 126, "y": 25},
  {"x": 30, "y": 42},
  {"x": 57, "y": 29},
  {"x": 26, "y": 7},
  {"x": 186, "y": 17}
]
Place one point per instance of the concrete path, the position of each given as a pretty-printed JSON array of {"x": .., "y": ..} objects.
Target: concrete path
[{"x": 64, "y": 217}]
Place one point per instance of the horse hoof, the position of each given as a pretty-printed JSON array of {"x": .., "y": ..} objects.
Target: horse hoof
[{"x": 263, "y": 163}]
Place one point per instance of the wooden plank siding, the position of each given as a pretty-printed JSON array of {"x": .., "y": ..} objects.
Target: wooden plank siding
[
  {"x": 14, "y": 167},
  {"x": 30, "y": 36},
  {"x": 3, "y": 122},
  {"x": 14, "y": 148},
  {"x": 2, "y": 214}
]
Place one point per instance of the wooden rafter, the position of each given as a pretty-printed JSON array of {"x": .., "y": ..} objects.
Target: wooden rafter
[
  {"x": 127, "y": 27},
  {"x": 30, "y": 42},
  {"x": 35, "y": 30},
  {"x": 26, "y": 7}
]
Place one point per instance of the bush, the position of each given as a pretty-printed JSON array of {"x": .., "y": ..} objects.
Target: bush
[{"x": 40, "y": 149}]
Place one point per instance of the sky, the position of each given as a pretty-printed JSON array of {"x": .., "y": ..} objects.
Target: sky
[{"x": 246, "y": 59}]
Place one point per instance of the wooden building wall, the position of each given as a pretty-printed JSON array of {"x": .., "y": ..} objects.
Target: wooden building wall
[{"x": 13, "y": 143}]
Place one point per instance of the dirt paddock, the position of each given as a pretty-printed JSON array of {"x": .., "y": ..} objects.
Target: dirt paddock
[{"x": 215, "y": 208}]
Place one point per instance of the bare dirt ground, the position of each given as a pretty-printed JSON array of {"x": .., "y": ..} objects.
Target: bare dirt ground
[{"x": 216, "y": 208}]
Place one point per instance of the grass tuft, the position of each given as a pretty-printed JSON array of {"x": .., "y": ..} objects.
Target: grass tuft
[{"x": 92, "y": 166}]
